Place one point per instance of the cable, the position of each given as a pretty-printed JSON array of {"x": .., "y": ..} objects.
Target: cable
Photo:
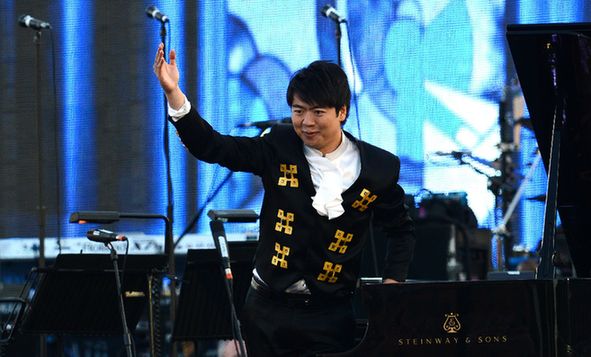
[
  {"x": 236, "y": 333},
  {"x": 58, "y": 179},
  {"x": 122, "y": 273},
  {"x": 352, "y": 59}
]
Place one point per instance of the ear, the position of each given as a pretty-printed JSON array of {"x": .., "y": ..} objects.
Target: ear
[{"x": 342, "y": 114}]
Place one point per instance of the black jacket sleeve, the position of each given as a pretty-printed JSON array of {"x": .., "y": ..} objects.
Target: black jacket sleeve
[
  {"x": 237, "y": 153},
  {"x": 392, "y": 216}
]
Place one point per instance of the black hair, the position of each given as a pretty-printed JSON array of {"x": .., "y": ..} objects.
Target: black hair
[{"x": 322, "y": 84}]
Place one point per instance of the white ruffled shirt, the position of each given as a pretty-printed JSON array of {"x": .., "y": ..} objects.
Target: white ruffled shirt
[{"x": 332, "y": 174}]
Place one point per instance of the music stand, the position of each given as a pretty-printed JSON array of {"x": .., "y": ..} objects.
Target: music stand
[
  {"x": 203, "y": 310},
  {"x": 78, "y": 295}
]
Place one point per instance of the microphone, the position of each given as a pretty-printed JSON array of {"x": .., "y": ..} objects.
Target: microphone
[
  {"x": 104, "y": 236},
  {"x": 219, "y": 239},
  {"x": 33, "y": 23},
  {"x": 153, "y": 12},
  {"x": 331, "y": 13},
  {"x": 265, "y": 123},
  {"x": 458, "y": 155},
  {"x": 225, "y": 256},
  {"x": 454, "y": 154}
]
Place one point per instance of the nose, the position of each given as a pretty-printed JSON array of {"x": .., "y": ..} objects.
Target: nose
[{"x": 308, "y": 119}]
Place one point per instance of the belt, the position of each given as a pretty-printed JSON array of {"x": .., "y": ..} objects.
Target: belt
[{"x": 295, "y": 300}]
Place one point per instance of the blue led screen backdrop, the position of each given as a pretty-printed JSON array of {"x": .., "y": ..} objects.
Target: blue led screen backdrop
[{"x": 427, "y": 75}]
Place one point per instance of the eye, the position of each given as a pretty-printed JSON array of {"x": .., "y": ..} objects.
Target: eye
[{"x": 319, "y": 112}]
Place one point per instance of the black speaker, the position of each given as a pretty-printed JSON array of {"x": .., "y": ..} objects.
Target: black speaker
[
  {"x": 440, "y": 252},
  {"x": 431, "y": 254}
]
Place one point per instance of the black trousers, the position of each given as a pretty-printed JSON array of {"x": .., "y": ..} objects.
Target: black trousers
[{"x": 293, "y": 325}]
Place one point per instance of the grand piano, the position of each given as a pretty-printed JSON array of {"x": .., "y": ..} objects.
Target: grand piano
[{"x": 545, "y": 317}]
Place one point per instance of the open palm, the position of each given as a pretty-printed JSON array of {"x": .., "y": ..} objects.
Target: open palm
[{"x": 167, "y": 73}]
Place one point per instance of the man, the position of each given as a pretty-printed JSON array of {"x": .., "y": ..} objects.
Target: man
[{"x": 322, "y": 188}]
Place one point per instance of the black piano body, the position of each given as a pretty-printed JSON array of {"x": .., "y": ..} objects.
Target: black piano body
[
  {"x": 539, "y": 318},
  {"x": 477, "y": 319}
]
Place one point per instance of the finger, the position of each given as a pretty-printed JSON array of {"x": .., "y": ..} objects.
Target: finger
[
  {"x": 156, "y": 65},
  {"x": 161, "y": 59},
  {"x": 172, "y": 55},
  {"x": 158, "y": 51}
]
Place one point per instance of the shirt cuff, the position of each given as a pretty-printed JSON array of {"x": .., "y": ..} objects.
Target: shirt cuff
[{"x": 177, "y": 114}]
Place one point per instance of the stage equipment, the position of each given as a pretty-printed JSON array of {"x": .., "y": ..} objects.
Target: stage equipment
[
  {"x": 501, "y": 231},
  {"x": 552, "y": 64},
  {"x": 38, "y": 26},
  {"x": 440, "y": 252},
  {"x": 153, "y": 12},
  {"x": 264, "y": 124},
  {"x": 107, "y": 238},
  {"x": 203, "y": 309},
  {"x": 503, "y": 186},
  {"x": 33, "y": 23},
  {"x": 11, "y": 311},
  {"x": 218, "y": 218},
  {"x": 104, "y": 236},
  {"x": 330, "y": 12},
  {"x": 449, "y": 246},
  {"x": 78, "y": 295},
  {"x": 104, "y": 217},
  {"x": 500, "y": 183}
]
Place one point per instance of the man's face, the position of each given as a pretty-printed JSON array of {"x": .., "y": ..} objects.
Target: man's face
[{"x": 318, "y": 127}]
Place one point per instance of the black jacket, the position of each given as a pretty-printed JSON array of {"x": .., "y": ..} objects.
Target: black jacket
[{"x": 295, "y": 242}]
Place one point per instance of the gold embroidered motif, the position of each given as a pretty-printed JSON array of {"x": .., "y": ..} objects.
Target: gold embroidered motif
[
  {"x": 330, "y": 271},
  {"x": 340, "y": 245},
  {"x": 284, "y": 221},
  {"x": 288, "y": 176},
  {"x": 365, "y": 200},
  {"x": 282, "y": 252}
]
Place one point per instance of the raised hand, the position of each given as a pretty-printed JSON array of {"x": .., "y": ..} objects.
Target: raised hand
[{"x": 168, "y": 76}]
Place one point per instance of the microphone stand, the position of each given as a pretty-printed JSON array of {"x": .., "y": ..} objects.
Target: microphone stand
[
  {"x": 41, "y": 206},
  {"x": 217, "y": 230},
  {"x": 338, "y": 36},
  {"x": 40, "y": 203},
  {"x": 169, "y": 206},
  {"x": 126, "y": 335},
  {"x": 501, "y": 230}
]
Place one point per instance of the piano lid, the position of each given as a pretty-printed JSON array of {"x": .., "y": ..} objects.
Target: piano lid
[{"x": 528, "y": 45}]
